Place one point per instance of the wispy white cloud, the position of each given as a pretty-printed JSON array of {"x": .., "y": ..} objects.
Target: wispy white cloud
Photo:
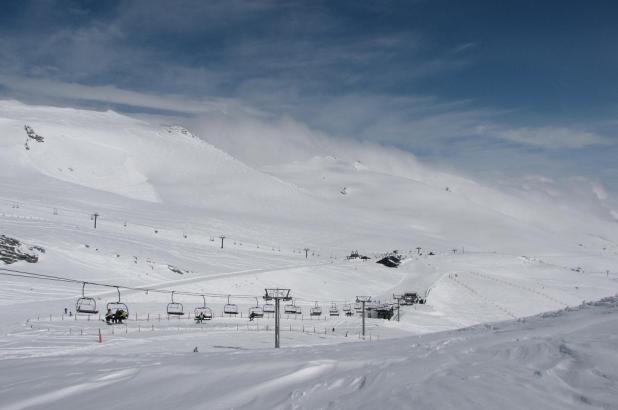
[
  {"x": 466, "y": 46},
  {"x": 113, "y": 95},
  {"x": 271, "y": 70},
  {"x": 549, "y": 137}
]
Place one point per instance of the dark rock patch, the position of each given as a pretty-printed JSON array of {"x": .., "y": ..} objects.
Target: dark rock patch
[
  {"x": 391, "y": 261},
  {"x": 177, "y": 270},
  {"x": 12, "y": 250}
]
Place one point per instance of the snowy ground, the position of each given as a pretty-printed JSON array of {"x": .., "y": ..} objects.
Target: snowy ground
[{"x": 164, "y": 197}]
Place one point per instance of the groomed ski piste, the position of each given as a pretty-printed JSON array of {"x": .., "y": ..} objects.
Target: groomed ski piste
[{"x": 520, "y": 283}]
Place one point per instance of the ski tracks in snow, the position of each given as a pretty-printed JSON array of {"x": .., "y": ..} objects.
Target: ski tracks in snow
[
  {"x": 480, "y": 296},
  {"x": 522, "y": 287}
]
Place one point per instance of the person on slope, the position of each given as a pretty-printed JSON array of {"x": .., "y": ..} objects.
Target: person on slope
[
  {"x": 109, "y": 317},
  {"x": 120, "y": 315}
]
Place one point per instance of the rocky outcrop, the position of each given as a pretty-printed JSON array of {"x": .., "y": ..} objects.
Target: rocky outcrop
[
  {"x": 31, "y": 135},
  {"x": 392, "y": 261},
  {"x": 177, "y": 270},
  {"x": 12, "y": 250}
]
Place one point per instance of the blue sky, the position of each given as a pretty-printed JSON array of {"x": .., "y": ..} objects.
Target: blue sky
[{"x": 488, "y": 87}]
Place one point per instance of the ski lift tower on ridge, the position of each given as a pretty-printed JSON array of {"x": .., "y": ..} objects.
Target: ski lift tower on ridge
[{"x": 277, "y": 295}]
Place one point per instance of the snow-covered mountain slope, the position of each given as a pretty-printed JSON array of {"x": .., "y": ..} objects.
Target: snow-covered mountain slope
[
  {"x": 164, "y": 197},
  {"x": 437, "y": 209},
  {"x": 328, "y": 201},
  {"x": 113, "y": 153}
]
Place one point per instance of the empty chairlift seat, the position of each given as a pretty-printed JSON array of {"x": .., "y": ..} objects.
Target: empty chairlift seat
[
  {"x": 269, "y": 308},
  {"x": 316, "y": 310},
  {"x": 86, "y": 305},
  {"x": 290, "y": 309},
  {"x": 230, "y": 308},
  {"x": 175, "y": 308}
]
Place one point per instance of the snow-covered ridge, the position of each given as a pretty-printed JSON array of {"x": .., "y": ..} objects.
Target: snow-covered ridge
[{"x": 114, "y": 153}]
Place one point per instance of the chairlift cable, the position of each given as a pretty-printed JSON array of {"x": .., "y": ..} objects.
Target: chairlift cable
[{"x": 32, "y": 275}]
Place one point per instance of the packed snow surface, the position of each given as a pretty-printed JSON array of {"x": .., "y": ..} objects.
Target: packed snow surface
[{"x": 487, "y": 259}]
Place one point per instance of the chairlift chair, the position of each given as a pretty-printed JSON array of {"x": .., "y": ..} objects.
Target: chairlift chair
[
  {"x": 256, "y": 310},
  {"x": 347, "y": 310},
  {"x": 86, "y": 305},
  {"x": 290, "y": 309},
  {"x": 316, "y": 310},
  {"x": 299, "y": 310},
  {"x": 358, "y": 307},
  {"x": 269, "y": 308},
  {"x": 333, "y": 311},
  {"x": 174, "y": 308},
  {"x": 230, "y": 308},
  {"x": 118, "y": 305},
  {"x": 203, "y": 311}
]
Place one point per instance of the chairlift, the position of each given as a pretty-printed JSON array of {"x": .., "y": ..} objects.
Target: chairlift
[
  {"x": 290, "y": 309},
  {"x": 269, "y": 308},
  {"x": 118, "y": 305},
  {"x": 86, "y": 305},
  {"x": 203, "y": 311},
  {"x": 347, "y": 310},
  {"x": 358, "y": 307},
  {"x": 174, "y": 308},
  {"x": 257, "y": 310},
  {"x": 316, "y": 310},
  {"x": 230, "y": 308},
  {"x": 333, "y": 311},
  {"x": 299, "y": 310}
]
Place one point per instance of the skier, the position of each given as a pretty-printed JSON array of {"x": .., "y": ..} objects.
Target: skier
[
  {"x": 120, "y": 315},
  {"x": 109, "y": 317}
]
